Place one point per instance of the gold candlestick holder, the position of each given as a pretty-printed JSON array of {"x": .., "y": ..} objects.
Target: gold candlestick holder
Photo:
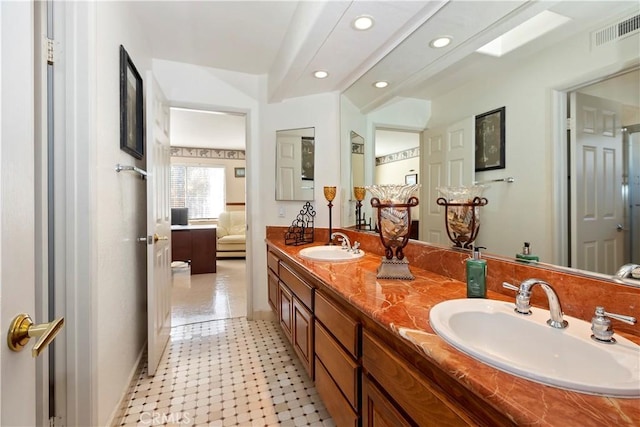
[{"x": 330, "y": 195}]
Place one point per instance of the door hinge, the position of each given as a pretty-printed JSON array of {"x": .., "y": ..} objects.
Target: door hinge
[
  {"x": 569, "y": 123},
  {"x": 50, "y": 51}
]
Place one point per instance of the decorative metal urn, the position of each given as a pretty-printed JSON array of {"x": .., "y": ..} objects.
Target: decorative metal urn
[
  {"x": 394, "y": 203},
  {"x": 462, "y": 216}
]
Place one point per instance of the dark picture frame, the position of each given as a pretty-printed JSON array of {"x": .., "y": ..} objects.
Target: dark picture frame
[
  {"x": 308, "y": 152},
  {"x": 131, "y": 107},
  {"x": 239, "y": 172},
  {"x": 411, "y": 179},
  {"x": 490, "y": 140}
]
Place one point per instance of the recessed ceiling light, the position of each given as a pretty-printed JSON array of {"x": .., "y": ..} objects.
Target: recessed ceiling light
[
  {"x": 440, "y": 42},
  {"x": 381, "y": 84},
  {"x": 363, "y": 22},
  {"x": 321, "y": 74}
]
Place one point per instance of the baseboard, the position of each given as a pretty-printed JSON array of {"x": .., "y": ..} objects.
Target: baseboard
[
  {"x": 123, "y": 404},
  {"x": 263, "y": 315}
]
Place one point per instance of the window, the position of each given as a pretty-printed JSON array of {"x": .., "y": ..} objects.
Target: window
[{"x": 199, "y": 188}]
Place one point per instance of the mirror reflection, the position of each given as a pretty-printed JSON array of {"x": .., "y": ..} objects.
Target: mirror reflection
[
  {"x": 357, "y": 160},
  {"x": 538, "y": 85},
  {"x": 295, "y": 164}
]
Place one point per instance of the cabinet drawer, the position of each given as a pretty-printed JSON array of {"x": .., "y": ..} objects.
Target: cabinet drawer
[
  {"x": 336, "y": 404},
  {"x": 272, "y": 262},
  {"x": 339, "y": 364},
  {"x": 342, "y": 326},
  {"x": 411, "y": 391},
  {"x": 298, "y": 287}
]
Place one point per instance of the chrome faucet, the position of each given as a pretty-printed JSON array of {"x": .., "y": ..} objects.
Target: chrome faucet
[
  {"x": 601, "y": 325},
  {"x": 346, "y": 243},
  {"x": 523, "y": 301},
  {"x": 625, "y": 271}
]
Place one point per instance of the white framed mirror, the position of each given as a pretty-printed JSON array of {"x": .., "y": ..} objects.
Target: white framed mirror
[{"x": 295, "y": 164}]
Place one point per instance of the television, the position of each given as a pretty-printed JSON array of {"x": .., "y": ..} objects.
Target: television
[{"x": 179, "y": 216}]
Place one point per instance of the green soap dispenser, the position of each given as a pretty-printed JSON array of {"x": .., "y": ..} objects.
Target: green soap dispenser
[
  {"x": 476, "y": 275},
  {"x": 526, "y": 254}
]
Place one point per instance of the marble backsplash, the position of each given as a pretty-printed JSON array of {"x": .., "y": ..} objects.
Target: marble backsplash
[{"x": 578, "y": 294}]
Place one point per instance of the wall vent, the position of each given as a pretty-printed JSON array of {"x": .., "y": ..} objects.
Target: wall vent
[{"x": 616, "y": 31}]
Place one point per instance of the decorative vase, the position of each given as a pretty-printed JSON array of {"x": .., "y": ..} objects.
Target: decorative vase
[
  {"x": 462, "y": 216},
  {"x": 394, "y": 203}
]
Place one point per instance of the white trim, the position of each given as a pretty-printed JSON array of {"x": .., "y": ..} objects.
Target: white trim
[
  {"x": 559, "y": 179},
  {"x": 119, "y": 411},
  {"x": 78, "y": 299}
]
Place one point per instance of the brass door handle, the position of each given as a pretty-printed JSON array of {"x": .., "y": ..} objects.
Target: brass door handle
[
  {"x": 22, "y": 329},
  {"x": 156, "y": 238}
]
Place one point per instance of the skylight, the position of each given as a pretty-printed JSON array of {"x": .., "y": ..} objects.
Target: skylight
[{"x": 529, "y": 30}]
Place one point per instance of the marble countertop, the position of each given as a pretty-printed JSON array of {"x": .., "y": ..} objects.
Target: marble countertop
[{"x": 402, "y": 307}]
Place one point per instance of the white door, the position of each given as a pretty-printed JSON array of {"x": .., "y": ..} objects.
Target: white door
[
  {"x": 17, "y": 215},
  {"x": 597, "y": 244},
  {"x": 289, "y": 172},
  {"x": 449, "y": 161},
  {"x": 158, "y": 224}
]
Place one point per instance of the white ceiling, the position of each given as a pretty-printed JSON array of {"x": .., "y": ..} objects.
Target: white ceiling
[
  {"x": 288, "y": 40},
  {"x": 205, "y": 129}
]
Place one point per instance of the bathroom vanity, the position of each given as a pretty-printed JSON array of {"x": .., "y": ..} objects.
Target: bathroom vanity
[{"x": 375, "y": 360}]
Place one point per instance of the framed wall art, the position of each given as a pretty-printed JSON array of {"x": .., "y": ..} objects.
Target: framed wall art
[
  {"x": 239, "y": 172},
  {"x": 490, "y": 141},
  {"x": 411, "y": 179},
  {"x": 131, "y": 104}
]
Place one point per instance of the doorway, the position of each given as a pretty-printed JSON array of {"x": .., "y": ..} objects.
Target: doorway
[
  {"x": 208, "y": 171},
  {"x": 397, "y": 161},
  {"x": 602, "y": 165}
]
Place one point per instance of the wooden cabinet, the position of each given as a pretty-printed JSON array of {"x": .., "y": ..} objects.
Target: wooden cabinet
[
  {"x": 337, "y": 369},
  {"x": 302, "y": 337},
  {"x": 286, "y": 305},
  {"x": 292, "y": 300},
  {"x": 364, "y": 374},
  {"x": 377, "y": 409},
  {"x": 273, "y": 292},
  {"x": 411, "y": 391},
  {"x": 195, "y": 244}
]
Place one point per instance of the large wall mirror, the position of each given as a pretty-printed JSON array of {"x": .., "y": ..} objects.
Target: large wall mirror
[
  {"x": 295, "y": 164},
  {"x": 536, "y": 84}
]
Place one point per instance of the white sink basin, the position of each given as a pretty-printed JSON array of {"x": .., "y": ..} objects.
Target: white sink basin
[
  {"x": 526, "y": 346},
  {"x": 329, "y": 253}
]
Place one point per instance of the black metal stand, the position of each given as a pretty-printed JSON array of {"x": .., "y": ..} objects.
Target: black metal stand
[
  {"x": 301, "y": 230},
  {"x": 330, "y": 229}
]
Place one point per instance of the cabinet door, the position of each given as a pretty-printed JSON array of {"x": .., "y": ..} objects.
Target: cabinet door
[
  {"x": 203, "y": 251},
  {"x": 272, "y": 283},
  {"x": 377, "y": 410},
  {"x": 180, "y": 245},
  {"x": 286, "y": 305},
  {"x": 303, "y": 334}
]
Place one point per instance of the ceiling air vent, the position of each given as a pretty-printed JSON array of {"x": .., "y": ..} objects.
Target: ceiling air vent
[{"x": 618, "y": 30}]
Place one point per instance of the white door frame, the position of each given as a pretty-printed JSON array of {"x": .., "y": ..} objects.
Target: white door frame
[
  {"x": 249, "y": 251},
  {"x": 559, "y": 162},
  {"x": 75, "y": 102}
]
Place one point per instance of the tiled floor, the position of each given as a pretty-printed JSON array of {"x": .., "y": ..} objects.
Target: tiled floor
[
  {"x": 229, "y": 372},
  {"x": 201, "y": 297}
]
